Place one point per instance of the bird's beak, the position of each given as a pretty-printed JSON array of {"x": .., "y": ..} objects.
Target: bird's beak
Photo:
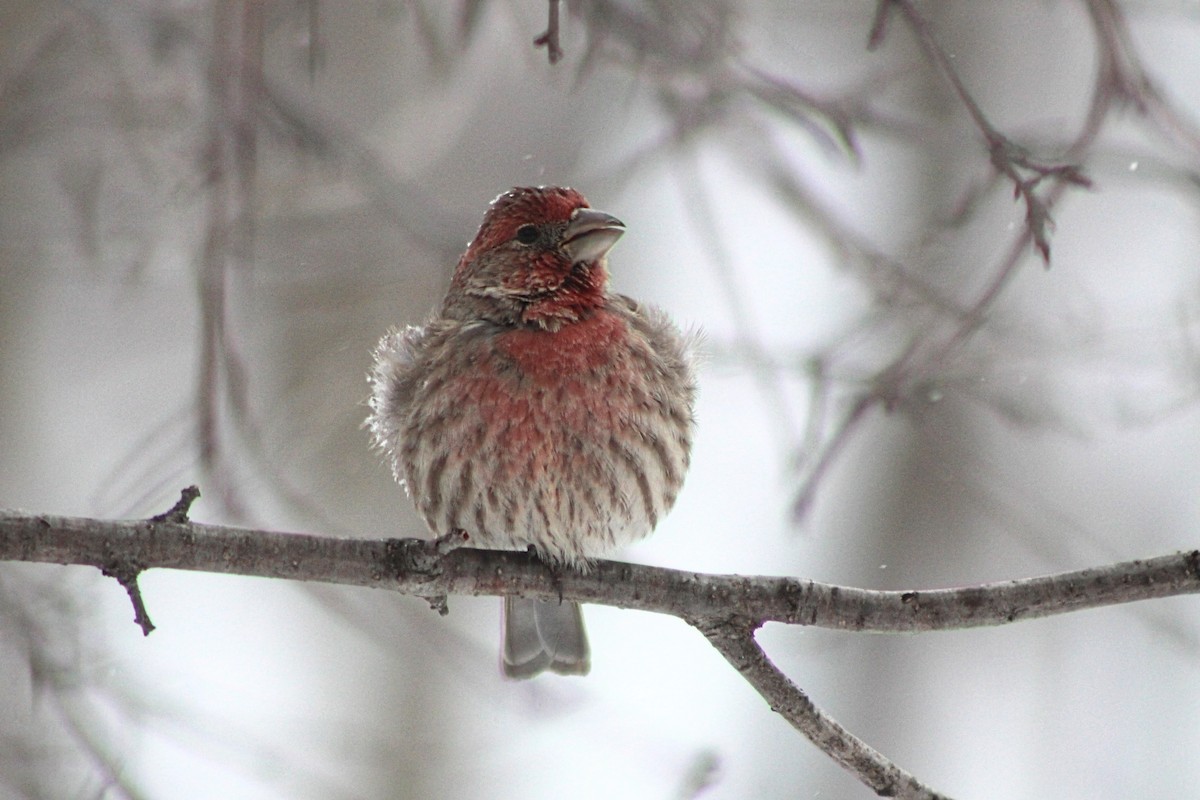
[{"x": 591, "y": 234}]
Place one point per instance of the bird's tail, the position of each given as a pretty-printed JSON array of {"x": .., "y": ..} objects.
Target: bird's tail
[{"x": 543, "y": 635}]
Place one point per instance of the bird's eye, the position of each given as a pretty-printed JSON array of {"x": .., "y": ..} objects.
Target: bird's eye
[{"x": 527, "y": 234}]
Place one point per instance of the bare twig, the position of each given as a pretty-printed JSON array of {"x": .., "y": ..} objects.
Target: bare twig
[
  {"x": 549, "y": 38},
  {"x": 807, "y": 493},
  {"x": 1008, "y": 158},
  {"x": 1123, "y": 78},
  {"x": 1040, "y": 185},
  {"x": 747, "y": 337},
  {"x": 126, "y": 568},
  {"x": 178, "y": 513},
  {"x": 736, "y": 642},
  {"x": 802, "y": 105},
  {"x": 883, "y": 12},
  {"x": 126, "y": 572}
]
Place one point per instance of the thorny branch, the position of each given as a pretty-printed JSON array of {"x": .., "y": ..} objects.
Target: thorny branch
[{"x": 725, "y": 608}]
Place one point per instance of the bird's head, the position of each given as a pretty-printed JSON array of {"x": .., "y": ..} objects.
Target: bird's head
[{"x": 538, "y": 260}]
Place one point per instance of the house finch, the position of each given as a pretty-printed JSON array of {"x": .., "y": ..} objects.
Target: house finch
[{"x": 536, "y": 407}]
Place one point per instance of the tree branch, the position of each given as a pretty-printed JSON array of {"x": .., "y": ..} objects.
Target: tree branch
[
  {"x": 1008, "y": 159},
  {"x": 549, "y": 38},
  {"x": 725, "y": 608},
  {"x": 736, "y": 642},
  {"x": 416, "y": 567}
]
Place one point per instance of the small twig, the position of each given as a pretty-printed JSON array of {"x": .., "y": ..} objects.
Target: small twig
[
  {"x": 424, "y": 555},
  {"x": 126, "y": 572},
  {"x": 879, "y": 24},
  {"x": 807, "y": 493},
  {"x": 1007, "y": 158},
  {"x": 126, "y": 569},
  {"x": 549, "y": 39},
  {"x": 735, "y": 641},
  {"x": 802, "y": 105},
  {"x": 178, "y": 513},
  {"x": 1124, "y": 78},
  {"x": 1038, "y": 185},
  {"x": 747, "y": 336}
]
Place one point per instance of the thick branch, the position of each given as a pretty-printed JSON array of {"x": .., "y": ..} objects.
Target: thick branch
[{"x": 411, "y": 566}]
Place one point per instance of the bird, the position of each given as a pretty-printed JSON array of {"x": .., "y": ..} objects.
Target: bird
[{"x": 538, "y": 409}]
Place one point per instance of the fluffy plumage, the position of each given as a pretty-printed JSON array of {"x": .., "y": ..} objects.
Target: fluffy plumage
[{"x": 538, "y": 408}]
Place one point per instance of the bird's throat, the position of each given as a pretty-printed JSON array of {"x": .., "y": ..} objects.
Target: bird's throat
[
  {"x": 545, "y": 354},
  {"x": 580, "y": 294}
]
